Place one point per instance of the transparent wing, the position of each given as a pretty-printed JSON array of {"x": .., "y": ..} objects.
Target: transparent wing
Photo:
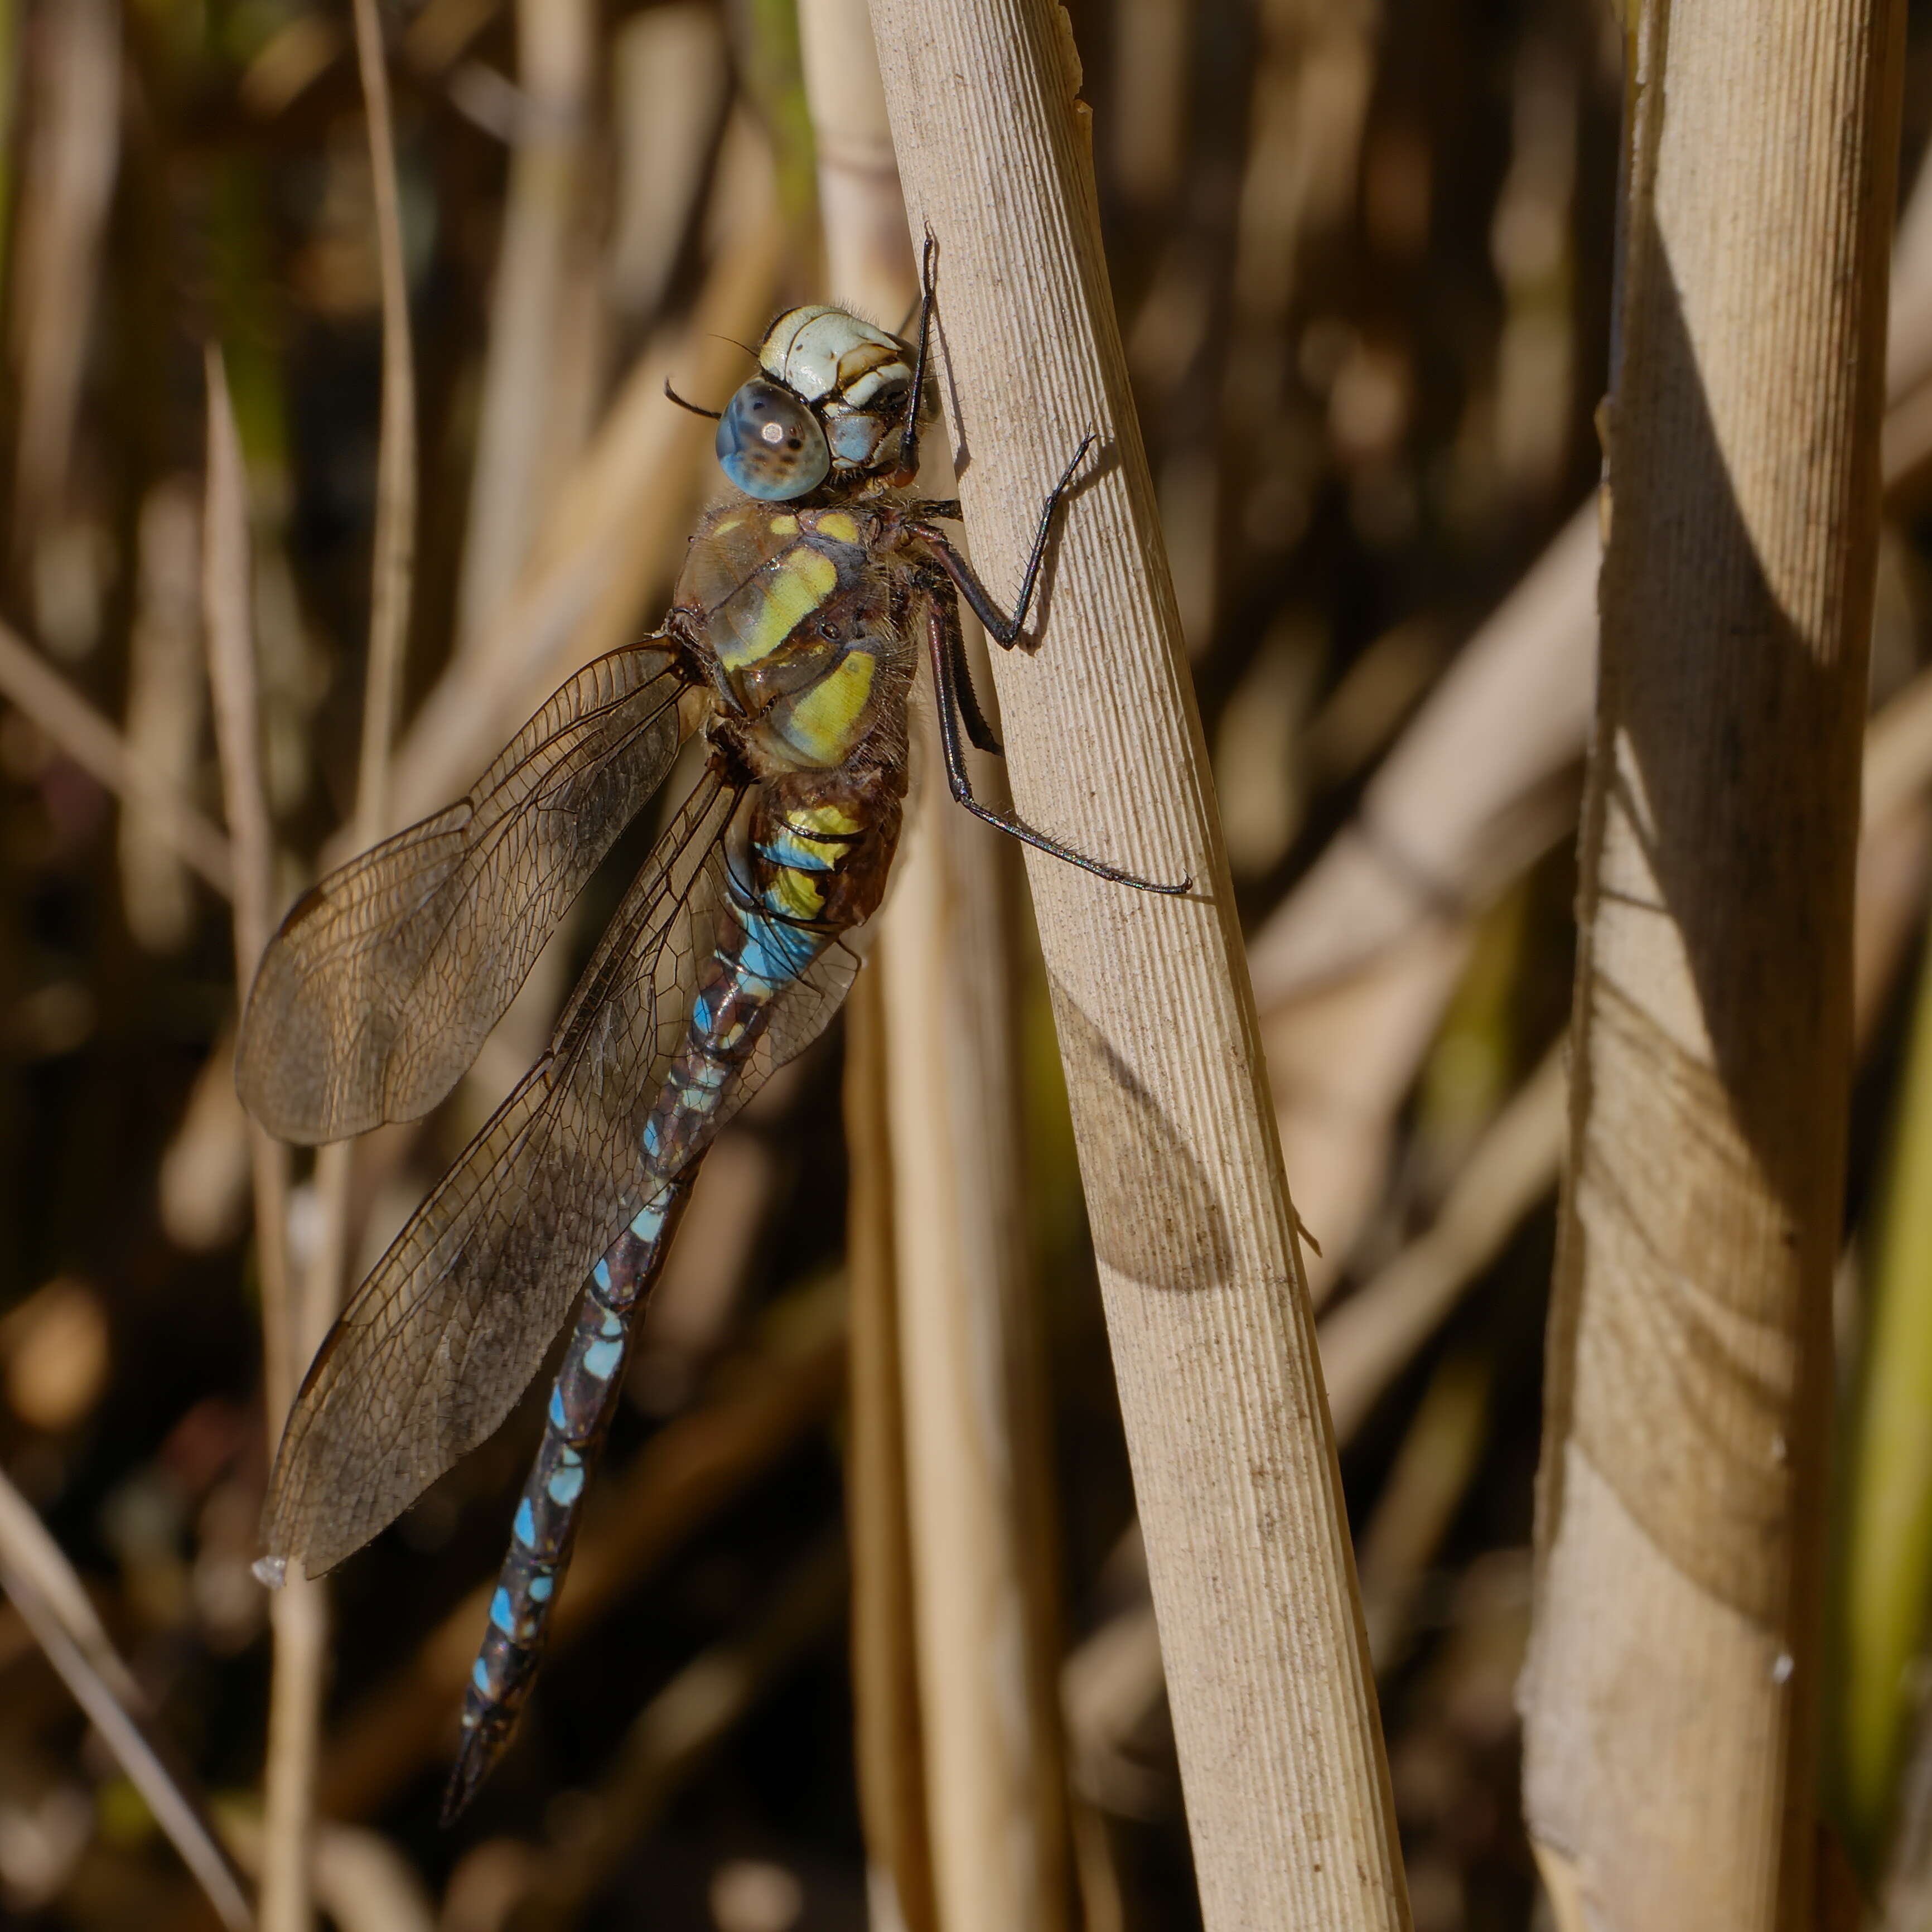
[
  {"x": 446, "y": 1334},
  {"x": 436, "y": 1345},
  {"x": 799, "y": 1018},
  {"x": 384, "y": 981}
]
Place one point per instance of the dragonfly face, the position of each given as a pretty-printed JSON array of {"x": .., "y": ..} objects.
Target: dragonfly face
[
  {"x": 791, "y": 641},
  {"x": 830, "y": 402}
]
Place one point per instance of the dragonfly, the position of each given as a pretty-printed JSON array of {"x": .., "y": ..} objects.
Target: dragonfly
[{"x": 791, "y": 648}]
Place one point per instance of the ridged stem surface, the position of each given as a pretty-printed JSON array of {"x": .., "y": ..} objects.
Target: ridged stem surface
[
  {"x": 1274, "y": 1708},
  {"x": 1670, "y": 1698}
]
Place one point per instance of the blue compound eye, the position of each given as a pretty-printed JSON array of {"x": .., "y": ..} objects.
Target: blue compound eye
[{"x": 770, "y": 444}]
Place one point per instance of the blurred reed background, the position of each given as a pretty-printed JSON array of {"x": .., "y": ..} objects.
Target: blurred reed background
[{"x": 1362, "y": 256}]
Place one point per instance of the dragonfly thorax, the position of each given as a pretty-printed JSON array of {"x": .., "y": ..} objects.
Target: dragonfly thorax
[{"x": 829, "y": 402}]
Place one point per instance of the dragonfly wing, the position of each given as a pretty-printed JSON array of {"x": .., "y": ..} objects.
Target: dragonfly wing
[
  {"x": 805, "y": 1011},
  {"x": 384, "y": 981},
  {"x": 446, "y": 1334}
]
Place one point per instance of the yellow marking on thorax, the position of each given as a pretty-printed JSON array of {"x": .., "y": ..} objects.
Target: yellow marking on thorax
[
  {"x": 798, "y": 894},
  {"x": 783, "y": 526},
  {"x": 822, "y": 719},
  {"x": 839, "y": 525},
  {"x": 726, "y": 524},
  {"x": 785, "y": 596}
]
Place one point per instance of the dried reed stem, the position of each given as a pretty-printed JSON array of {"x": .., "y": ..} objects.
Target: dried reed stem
[
  {"x": 53, "y": 1604},
  {"x": 1682, "y": 1489},
  {"x": 517, "y": 428},
  {"x": 889, "y": 1737},
  {"x": 298, "y": 1613},
  {"x": 1353, "y": 969},
  {"x": 982, "y": 1583},
  {"x": 229, "y": 625},
  {"x": 396, "y": 455},
  {"x": 1374, "y": 1335},
  {"x": 395, "y": 551},
  {"x": 28, "y": 682},
  {"x": 74, "y": 154},
  {"x": 1213, "y": 1342}
]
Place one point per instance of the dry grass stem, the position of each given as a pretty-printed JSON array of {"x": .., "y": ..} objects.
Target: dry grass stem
[
  {"x": 296, "y": 1613},
  {"x": 51, "y": 1601},
  {"x": 1373, "y": 1336},
  {"x": 520, "y": 425},
  {"x": 229, "y": 625},
  {"x": 1441, "y": 1454},
  {"x": 888, "y": 1740},
  {"x": 167, "y": 698},
  {"x": 1341, "y": 1060},
  {"x": 390, "y": 574},
  {"x": 361, "y": 1881},
  {"x": 29, "y": 682},
  {"x": 983, "y": 1578},
  {"x": 1440, "y": 830},
  {"x": 73, "y": 152},
  {"x": 1275, "y": 1711},
  {"x": 300, "y": 1610},
  {"x": 1354, "y": 968},
  {"x": 396, "y": 453},
  {"x": 1678, "y": 1538}
]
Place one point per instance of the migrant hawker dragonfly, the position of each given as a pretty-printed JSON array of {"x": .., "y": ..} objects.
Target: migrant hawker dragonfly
[{"x": 790, "y": 646}]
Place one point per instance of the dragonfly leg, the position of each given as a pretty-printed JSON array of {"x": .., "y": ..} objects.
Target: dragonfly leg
[
  {"x": 582, "y": 1402},
  {"x": 963, "y": 695},
  {"x": 948, "y": 658},
  {"x": 1005, "y": 631}
]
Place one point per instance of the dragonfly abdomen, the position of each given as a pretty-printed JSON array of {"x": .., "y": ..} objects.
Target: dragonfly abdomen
[
  {"x": 582, "y": 1401},
  {"x": 753, "y": 958}
]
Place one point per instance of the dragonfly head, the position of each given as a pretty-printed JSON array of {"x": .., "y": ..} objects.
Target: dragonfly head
[{"x": 828, "y": 401}]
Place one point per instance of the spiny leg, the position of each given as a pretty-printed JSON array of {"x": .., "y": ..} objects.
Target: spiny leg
[
  {"x": 981, "y": 733},
  {"x": 1004, "y": 632},
  {"x": 943, "y": 637}
]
